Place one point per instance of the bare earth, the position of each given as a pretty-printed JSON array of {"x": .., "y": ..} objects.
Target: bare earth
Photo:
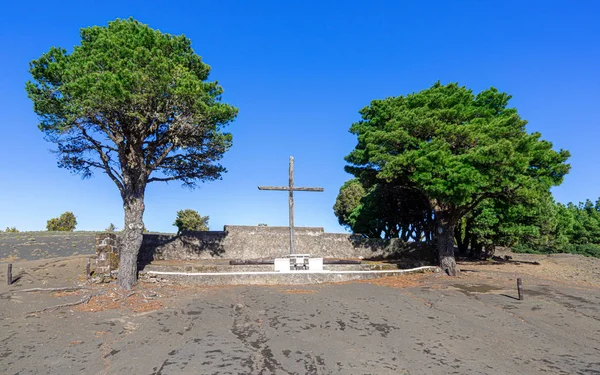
[
  {"x": 424, "y": 324},
  {"x": 43, "y": 245}
]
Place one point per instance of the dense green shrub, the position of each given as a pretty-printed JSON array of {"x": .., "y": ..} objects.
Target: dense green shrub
[
  {"x": 528, "y": 249},
  {"x": 190, "y": 220},
  {"x": 11, "y": 230},
  {"x": 65, "y": 223},
  {"x": 590, "y": 249}
]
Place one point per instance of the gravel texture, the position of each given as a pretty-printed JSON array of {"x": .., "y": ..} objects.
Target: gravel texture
[{"x": 416, "y": 324}]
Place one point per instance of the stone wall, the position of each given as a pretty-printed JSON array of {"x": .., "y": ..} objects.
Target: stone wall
[
  {"x": 108, "y": 247},
  {"x": 250, "y": 242}
]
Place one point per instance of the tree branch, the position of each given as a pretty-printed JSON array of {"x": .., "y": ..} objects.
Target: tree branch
[
  {"x": 161, "y": 158},
  {"x": 164, "y": 179},
  {"x": 161, "y": 139},
  {"x": 114, "y": 175}
]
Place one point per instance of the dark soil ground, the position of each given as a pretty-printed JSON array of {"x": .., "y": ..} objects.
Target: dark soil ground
[
  {"x": 43, "y": 245},
  {"x": 421, "y": 324}
]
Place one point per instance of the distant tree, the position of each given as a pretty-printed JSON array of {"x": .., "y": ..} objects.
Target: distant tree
[
  {"x": 456, "y": 150},
  {"x": 135, "y": 104},
  {"x": 348, "y": 199},
  {"x": 11, "y": 230},
  {"x": 190, "y": 220},
  {"x": 64, "y": 223},
  {"x": 586, "y": 222},
  {"x": 111, "y": 228}
]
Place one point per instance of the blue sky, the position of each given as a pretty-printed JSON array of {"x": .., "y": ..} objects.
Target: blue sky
[{"x": 299, "y": 71}]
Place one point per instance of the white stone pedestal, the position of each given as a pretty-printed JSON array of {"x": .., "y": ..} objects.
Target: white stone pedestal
[
  {"x": 315, "y": 264},
  {"x": 282, "y": 265}
]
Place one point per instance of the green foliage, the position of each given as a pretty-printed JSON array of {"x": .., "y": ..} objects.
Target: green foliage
[
  {"x": 111, "y": 228},
  {"x": 588, "y": 250},
  {"x": 456, "y": 147},
  {"x": 11, "y": 230},
  {"x": 347, "y": 201},
  {"x": 446, "y": 156},
  {"x": 190, "y": 220},
  {"x": 465, "y": 155},
  {"x": 494, "y": 222},
  {"x": 65, "y": 223},
  {"x": 586, "y": 224},
  {"x": 136, "y": 104},
  {"x": 383, "y": 210},
  {"x": 127, "y": 84},
  {"x": 548, "y": 227}
]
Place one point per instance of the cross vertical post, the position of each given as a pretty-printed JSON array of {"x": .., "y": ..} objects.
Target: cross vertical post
[
  {"x": 291, "y": 201},
  {"x": 290, "y": 188}
]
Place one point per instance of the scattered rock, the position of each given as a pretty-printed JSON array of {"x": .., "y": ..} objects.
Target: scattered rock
[{"x": 130, "y": 326}]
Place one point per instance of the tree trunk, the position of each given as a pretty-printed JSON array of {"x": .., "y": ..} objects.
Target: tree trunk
[
  {"x": 458, "y": 237},
  {"x": 476, "y": 248},
  {"x": 132, "y": 241},
  {"x": 445, "y": 246}
]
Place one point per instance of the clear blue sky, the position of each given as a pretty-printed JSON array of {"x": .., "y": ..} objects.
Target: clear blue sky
[{"x": 299, "y": 71}]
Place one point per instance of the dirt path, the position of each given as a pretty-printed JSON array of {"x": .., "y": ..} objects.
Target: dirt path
[{"x": 427, "y": 324}]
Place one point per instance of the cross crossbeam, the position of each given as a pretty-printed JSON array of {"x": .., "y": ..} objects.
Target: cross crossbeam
[
  {"x": 291, "y": 189},
  {"x": 285, "y": 188}
]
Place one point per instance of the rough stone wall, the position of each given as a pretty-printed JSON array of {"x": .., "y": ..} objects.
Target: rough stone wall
[
  {"x": 108, "y": 247},
  {"x": 249, "y": 242}
]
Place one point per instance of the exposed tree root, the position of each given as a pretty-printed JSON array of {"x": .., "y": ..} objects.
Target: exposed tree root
[
  {"x": 124, "y": 296},
  {"x": 63, "y": 289},
  {"x": 85, "y": 299}
]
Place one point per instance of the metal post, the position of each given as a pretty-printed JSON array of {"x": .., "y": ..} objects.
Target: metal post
[{"x": 9, "y": 274}]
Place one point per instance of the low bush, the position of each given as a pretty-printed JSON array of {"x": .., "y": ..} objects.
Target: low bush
[
  {"x": 65, "y": 223},
  {"x": 589, "y": 250},
  {"x": 190, "y": 220}
]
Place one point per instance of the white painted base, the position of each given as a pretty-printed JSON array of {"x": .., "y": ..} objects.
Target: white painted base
[
  {"x": 399, "y": 271},
  {"x": 282, "y": 265},
  {"x": 315, "y": 264}
]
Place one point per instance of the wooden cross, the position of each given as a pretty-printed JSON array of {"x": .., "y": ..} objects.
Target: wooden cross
[{"x": 291, "y": 190}]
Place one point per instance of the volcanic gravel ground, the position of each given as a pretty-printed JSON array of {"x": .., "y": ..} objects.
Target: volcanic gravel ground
[
  {"x": 426, "y": 324},
  {"x": 43, "y": 245}
]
